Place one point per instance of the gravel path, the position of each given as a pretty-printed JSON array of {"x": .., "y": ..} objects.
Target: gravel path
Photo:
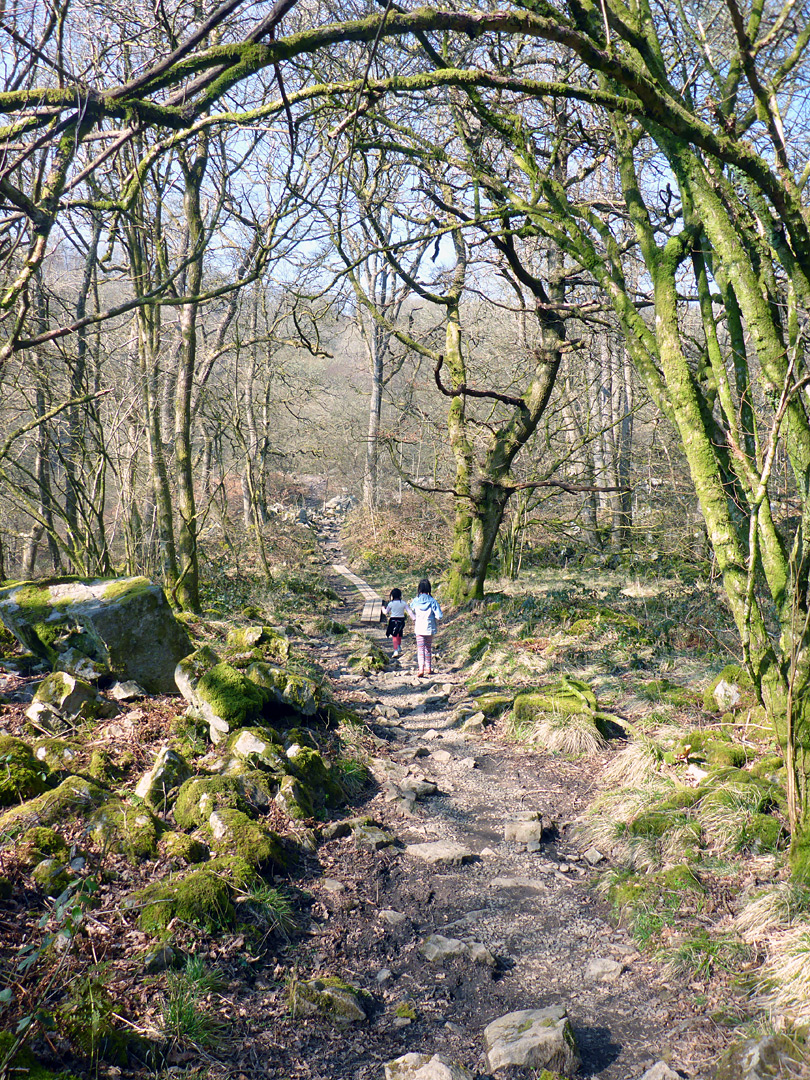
[{"x": 537, "y": 911}]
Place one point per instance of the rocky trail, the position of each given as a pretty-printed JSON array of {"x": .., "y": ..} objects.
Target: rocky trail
[{"x": 484, "y": 905}]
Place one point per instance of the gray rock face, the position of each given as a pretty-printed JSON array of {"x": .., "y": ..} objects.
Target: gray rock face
[
  {"x": 62, "y": 698},
  {"x": 758, "y": 1059},
  {"x": 727, "y": 695},
  {"x": 166, "y": 775},
  {"x": 532, "y": 1038},
  {"x": 125, "y": 626},
  {"x": 440, "y": 853},
  {"x": 331, "y": 998},
  {"x": 425, "y": 1067},
  {"x": 523, "y": 832}
]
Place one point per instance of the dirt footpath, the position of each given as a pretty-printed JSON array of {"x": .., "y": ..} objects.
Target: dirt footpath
[{"x": 536, "y": 911}]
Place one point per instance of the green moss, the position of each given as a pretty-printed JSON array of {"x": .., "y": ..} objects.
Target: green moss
[
  {"x": 121, "y": 587},
  {"x": 187, "y": 849},
  {"x": 768, "y": 768},
  {"x": 294, "y": 799},
  {"x": 310, "y": 768},
  {"x": 680, "y": 799},
  {"x": 330, "y": 997},
  {"x": 234, "y": 833},
  {"x": 41, "y": 843},
  {"x": 51, "y": 876},
  {"x": 405, "y": 1011},
  {"x": 732, "y": 674},
  {"x": 259, "y": 642},
  {"x": 75, "y": 796},
  {"x": 25, "y": 1064},
  {"x": 670, "y": 693},
  {"x": 127, "y": 830},
  {"x": 367, "y": 658},
  {"x": 568, "y": 697},
  {"x": 494, "y": 704},
  {"x": 59, "y": 755},
  {"x": 764, "y": 833},
  {"x": 287, "y": 692},
  {"x": 200, "y": 796},
  {"x": 230, "y": 695},
  {"x": 202, "y": 897},
  {"x": 21, "y": 775},
  {"x": 657, "y": 823}
]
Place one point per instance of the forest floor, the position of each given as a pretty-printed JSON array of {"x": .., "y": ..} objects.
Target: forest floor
[{"x": 363, "y": 915}]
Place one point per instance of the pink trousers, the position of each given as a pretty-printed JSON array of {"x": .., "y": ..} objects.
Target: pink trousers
[{"x": 424, "y": 652}]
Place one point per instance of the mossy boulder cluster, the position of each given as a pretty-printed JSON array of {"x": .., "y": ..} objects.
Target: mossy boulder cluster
[
  {"x": 88, "y": 627},
  {"x": 246, "y": 686}
]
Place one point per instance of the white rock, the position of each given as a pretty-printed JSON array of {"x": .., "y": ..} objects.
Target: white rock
[
  {"x": 521, "y": 832},
  {"x": 532, "y": 1038},
  {"x": 393, "y": 918},
  {"x": 438, "y": 948},
  {"x": 604, "y": 970},
  {"x": 593, "y": 856},
  {"x": 480, "y": 954},
  {"x": 660, "y": 1071},
  {"x": 519, "y": 882},
  {"x": 441, "y": 756},
  {"x": 440, "y": 853},
  {"x": 727, "y": 695},
  {"x": 425, "y": 1067}
]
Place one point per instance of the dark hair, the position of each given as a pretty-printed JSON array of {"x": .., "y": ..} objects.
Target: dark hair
[
  {"x": 396, "y": 594},
  {"x": 424, "y": 586}
]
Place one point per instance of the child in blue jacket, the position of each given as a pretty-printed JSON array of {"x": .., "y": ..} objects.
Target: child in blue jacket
[{"x": 424, "y": 610}]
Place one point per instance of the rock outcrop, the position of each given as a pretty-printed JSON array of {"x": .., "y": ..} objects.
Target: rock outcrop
[{"x": 122, "y": 626}]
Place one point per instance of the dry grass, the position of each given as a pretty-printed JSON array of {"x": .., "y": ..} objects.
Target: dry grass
[
  {"x": 785, "y": 977},
  {"x": 636, "y": 764},
  {"x": 575, "y": 735},
  {"x": 777, "y": 909}
]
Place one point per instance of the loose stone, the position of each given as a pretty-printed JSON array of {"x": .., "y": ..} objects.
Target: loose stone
[
  {"x": 440, "y": 853},
  {"x": 532, "y": 1038},
  {"x": 593, "y": 856},
  {"x": 425, "y": 1067},
  {"x": 604, "y": 970},
  {"x": 438, "y": 948}
]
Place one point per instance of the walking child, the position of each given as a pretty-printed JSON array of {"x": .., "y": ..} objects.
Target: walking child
[
  {"x": 424, "y": 610},
  {"x": 395, "y": 610}
]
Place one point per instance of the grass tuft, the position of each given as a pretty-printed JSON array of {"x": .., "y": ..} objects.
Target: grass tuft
[
  {"x": 776, "y": 909},
  {"x": 184, "y": 1021}
]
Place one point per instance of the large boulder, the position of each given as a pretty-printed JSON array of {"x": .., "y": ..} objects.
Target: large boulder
[{"x": 124, "y": 625}]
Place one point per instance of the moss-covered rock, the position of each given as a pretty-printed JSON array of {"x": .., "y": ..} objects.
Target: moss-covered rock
[
  {"x": 227, "y": 700},
  {"x": 159, "y": 786},
  {"x": 128, "y": 830},
  {"x": 40, "y": 843},
  {"x": 712, "y": 747},
  {"x": 494, "y": 704},
  {"x": 329, "y": 997},
  {"x": 258, "y": 642},
  {"x": 75, "y": 797},
  {"x": 568, "y": 697},
  {"x": 59, "y": 755},
  {"x": 294, "y": 799},
  {"x": 21, "y": 775},
  {"x": 657, "y": 823},
  {"x": 259, "y": 747},
  {"x": 732, "y": 689},
  {"x": 191, "y": 669},
  {"x": 62, "y": 698},
  {"x": 234, "y": 833},
  {"x": 310, "y": 768},
  {"x": 52, "y": 876},
  {"x": 25, "y": 1064},
  {"x": 125, "y": 625},
  {"x": 183, "y": 848},
  {"x": 367, "y": 658},
  {"x": 631, "y": 892},
  {"x": 773, "y": 1055},
  {"x": 202, "y": 897},
  {"x": 289, "y": 694},
  {"x": 200, "y": 796}
]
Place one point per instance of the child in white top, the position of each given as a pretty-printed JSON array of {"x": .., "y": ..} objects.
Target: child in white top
[{"x": 395, "y": 610}]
